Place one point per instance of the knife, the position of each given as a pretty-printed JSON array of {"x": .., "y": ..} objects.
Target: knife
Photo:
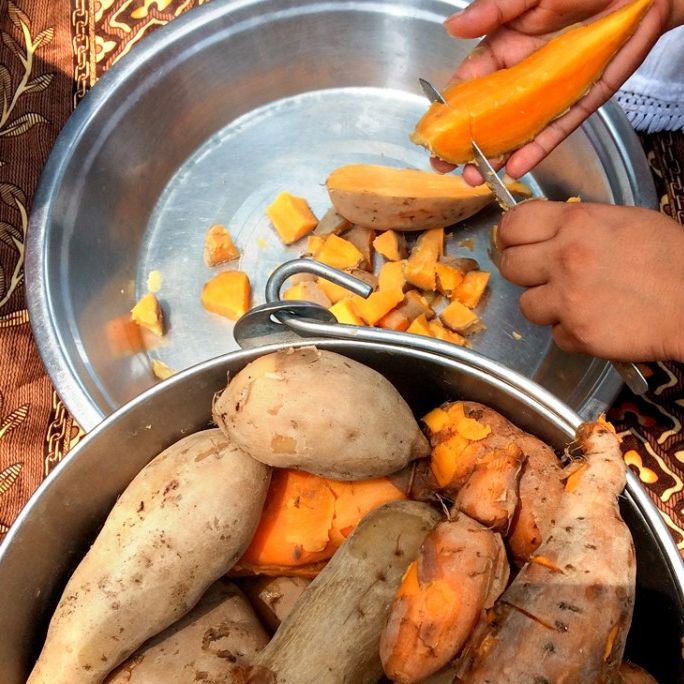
[{"x": 629, "y": 372}]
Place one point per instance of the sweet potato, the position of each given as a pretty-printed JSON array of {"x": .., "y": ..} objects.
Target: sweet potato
[
  {"x": 147, "y": 313},
  {"x": 291, "y": 216},
  {"x": 227, "y": 294},
  {"x": 321, "y": 412},
  {"x": 460, "y": 571},
  {"x": 221, "y": 631},
  {"x": 391, "y": 245},
  {"x": 565, "y": 616},
  {"x": 307, "y": 517},
  {"x": 490, "y": 494},
  {"x": 332, "y": 633},
  {"x": 274, "y": 597},
  {"x": 180, "y": 524},
  {"x": 403, "y": 199},
  {"x": 331, "y": 222},
  {"x": 219, "y": 247}
]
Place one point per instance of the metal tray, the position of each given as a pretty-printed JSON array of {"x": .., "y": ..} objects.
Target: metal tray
[{"x": 205, "y": 122}]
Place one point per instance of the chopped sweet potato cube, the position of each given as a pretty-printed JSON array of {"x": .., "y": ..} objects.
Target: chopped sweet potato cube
[
  {"x": 218, "y": 246},
  {"x": 420, "y": 326},
  {"x": 314, "y": 244},
  {"x": 394, "y": 320},
  {"x": 414, "y": 305},
  {"x": 459, "y": 318},
  {"x": 332, "y": 222},
  {"x": 378, "y": 305},
  {"x": 161, "y": 370},
  {"x": 227, "y": 294},
  {"x": 420, "y": 267},
  {"x": 448, "y": 278},
  {"x": 362, "y": 238},
  {"x": 391, "y": 276},
  {"x": 334, "y": 292},
  {"x": 391, "y": 245},
  {"x": 308, "y": 291},
  {"x": 147, "y": 313},
  {"x": 124, "y": 336},
  {"x": 470, "y": 291},
  {"x": 291, "y": 217},
  {"x": 339, "y": 253},
  {"x": 442, "y": 333},
  {"x": 345, "y": 311},
  {"x": 445, "y": 456}
]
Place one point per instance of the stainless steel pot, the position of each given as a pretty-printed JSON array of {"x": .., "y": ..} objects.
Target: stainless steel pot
[{"x": 64, "y": 515}]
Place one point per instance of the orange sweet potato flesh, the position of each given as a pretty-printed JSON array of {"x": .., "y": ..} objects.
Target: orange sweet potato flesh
[
  {"x": 383, "y": 197},
  {"x": 218, "y": 246},
  {"x": 420, "y": 267},
  {"x": 507, "y": 108},
  {"x": 460, "y": 571},
  {"x": 391, "y": 245},
  {"x": 147, "y": 314},
  {"x": 339, "y": 253},
  {"x": 227, "y": 294},
  {"x": 291, "y": 217},
  {"x": 306, "y": 518}
]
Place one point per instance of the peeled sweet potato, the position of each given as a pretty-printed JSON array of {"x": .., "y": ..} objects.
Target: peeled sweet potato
[
  {"x": 220, "y": 632},
  {"x": 178, "y": 526},
  {"x": 566, "y": 615},
  {"x": 403, "y": 199},
  {"x": 321, "y": 412},
  {"x": 333, "y": 632},
  {"x": 505, "y": 109}
]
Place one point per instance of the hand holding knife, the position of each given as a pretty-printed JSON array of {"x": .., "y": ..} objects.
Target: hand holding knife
[{"x": 629, "y": 372}]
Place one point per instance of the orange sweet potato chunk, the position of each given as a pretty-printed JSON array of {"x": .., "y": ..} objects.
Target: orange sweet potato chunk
[
  {"x": 391, "y": 276},
  {"x": 459, "y": 318},
  {"x": 378, "y": 305},
  {"x": 227, "y": 294},
  {"x": 219, "y": 247},
  {"x": 147, "y": 313},
  {"x": 420, "y": 267},
  {"x": 339, "y": 253},
  {"x": 291, "y": 217},
  {"x": 420, "y": 326},
  {"x": 394, "y": 320},
  {"x": 448, "y": 278},
  {"x": 391, "y": 245},
  {"x": 470, "y": 291},
  {"x": 307, "y": 291},
  {"x": 345, "y": 311}
]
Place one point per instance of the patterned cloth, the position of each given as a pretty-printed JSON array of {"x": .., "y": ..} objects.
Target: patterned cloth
[{"x": 51, "y": 53}]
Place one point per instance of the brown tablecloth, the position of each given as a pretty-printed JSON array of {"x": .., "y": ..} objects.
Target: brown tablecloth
[{"x": 52, "y": 52}]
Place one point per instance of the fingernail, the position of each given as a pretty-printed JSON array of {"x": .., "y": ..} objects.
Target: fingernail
[{"x": 455, "y": 15}]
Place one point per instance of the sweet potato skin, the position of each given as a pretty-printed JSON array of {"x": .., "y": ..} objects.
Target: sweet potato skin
[
  {"x": 565, "y": 616},
  {"x": 274, "y": 597},
  {"x": 460, "y": 571},
  {"x": 219, "y": 632},
  {"x": 327, "y": 414},
  {"x": 333, "y": 631},
  {"x": 403, "y": 199},
  {"x": 180, "y": 524}
]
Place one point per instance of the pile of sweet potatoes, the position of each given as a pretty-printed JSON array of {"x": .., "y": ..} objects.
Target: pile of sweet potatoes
[{"x": 320, "y": 535}]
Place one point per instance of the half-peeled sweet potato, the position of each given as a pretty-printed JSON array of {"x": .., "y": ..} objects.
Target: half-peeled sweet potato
[{"x": 404, "y": 199}]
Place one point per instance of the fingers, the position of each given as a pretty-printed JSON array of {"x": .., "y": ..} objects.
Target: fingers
[
  {"x": 530, "y": 222},
  {"x": 483, "y": 16},
  {"x": 440, "y": 166},
  {"x": 527, "y": 265},
  {"x": 539, "y": 306}
]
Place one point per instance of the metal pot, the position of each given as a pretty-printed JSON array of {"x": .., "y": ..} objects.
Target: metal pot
[{"x": 63, "y": 517}]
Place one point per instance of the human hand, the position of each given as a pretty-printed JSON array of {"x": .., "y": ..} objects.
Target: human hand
[
  {"x": 516, "y": 28},
  {"x": 609, "y": 280}
]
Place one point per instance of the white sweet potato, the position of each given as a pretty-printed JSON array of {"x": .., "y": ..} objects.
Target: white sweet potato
[
  {"x": 181, "y": 523},
  {"x": 565, "y": 616},
  {"x": 218, "y": 634},
  {"x": 321, "y": 412},
  {"x": 333, "y": 632}
]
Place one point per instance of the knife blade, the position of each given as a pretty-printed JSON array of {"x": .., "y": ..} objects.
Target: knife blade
[{"x": 431, "y": 92}]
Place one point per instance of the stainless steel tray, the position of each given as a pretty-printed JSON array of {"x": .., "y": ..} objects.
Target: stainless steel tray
[{"x": 205, "y": 122}]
